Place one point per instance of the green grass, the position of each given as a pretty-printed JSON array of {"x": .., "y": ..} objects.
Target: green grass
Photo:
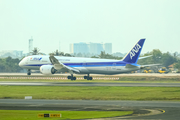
[
  {"x": 33, "y": 115},
  {"x": 90, "y": 93}
]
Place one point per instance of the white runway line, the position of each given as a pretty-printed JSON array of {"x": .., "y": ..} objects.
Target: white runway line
[{"x": 58, "y": 78}]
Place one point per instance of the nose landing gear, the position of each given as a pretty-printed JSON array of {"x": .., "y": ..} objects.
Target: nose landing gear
[{"x": 29, "y": 72}]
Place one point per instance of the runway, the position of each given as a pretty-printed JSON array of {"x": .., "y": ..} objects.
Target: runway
[
  {"x": 117, "y": 75},
  {"x": 74, "y": 83},
  {"x": 148, "y": 109}
]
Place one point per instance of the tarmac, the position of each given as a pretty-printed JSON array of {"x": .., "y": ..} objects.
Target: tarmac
[
  {"x": 143, "y": 110},
  {"x": 74, "y": 83},
  {"x": 117, "y": 75},
  {"x": 148, "y": 110}
]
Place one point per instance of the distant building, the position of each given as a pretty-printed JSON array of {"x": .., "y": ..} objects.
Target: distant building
[
  {"x": 108, "y": 48},
  {"x": 11, "y": 53},
  {"x": 95, "y": 48},
  {"x": 90, "y": 48},
  {"x": 71, "y": 48},
  {"x": 81, "y": 48}
]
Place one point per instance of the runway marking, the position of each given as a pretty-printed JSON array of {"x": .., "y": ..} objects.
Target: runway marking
[
  {"x": 57, "y": 78},
  {"x": 49, "y": 115}
]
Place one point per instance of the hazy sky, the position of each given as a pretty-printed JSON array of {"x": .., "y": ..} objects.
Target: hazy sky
[{"x": 122, "y": 22}]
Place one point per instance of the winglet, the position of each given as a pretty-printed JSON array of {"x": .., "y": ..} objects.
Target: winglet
[{"x": 133, "y": 55}]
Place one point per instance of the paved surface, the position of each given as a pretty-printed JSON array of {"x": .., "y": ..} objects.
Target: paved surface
[
  {"x": 74, "y": 83},
  {"x": 143, "y": 110},
  {"x": 148, "y": 109},
  {"x": 134, "y": 74}
]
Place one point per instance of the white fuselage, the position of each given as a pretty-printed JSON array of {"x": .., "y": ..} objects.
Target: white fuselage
[{"x": 84, "y": 65}]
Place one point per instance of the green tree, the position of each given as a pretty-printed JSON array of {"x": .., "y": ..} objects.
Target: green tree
[
  {"x": 155, "y": 59},
  {"x": 165, "y": 59},
  {"x": 94, "y": 56},
  {"x": 168, "y": 59},
  {"x": 67, "y": 54},
  {"x": 35, "y": 51},
  {"x": 58, "y": 53},
  {"x": 104, "y": 55},
  {"x": 9, "y": 65},
  {"x": 177, "y": 65},
  {"x": 157, "y": 55}
]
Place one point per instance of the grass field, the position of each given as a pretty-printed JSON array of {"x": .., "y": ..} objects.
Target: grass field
[
  {"x": 90, "y": 93},
  {"x": 33, "y": 115}
]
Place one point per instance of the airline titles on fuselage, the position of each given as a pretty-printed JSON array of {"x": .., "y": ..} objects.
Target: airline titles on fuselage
[
  {"x": 40, "y": 58},
  {"x": 35, "y": 58}
]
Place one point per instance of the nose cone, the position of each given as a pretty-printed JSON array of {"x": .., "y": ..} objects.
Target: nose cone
[{"x": 20, "y": 64}]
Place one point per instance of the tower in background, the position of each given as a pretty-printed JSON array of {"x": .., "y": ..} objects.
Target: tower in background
[{"x": 30, "y": 44}]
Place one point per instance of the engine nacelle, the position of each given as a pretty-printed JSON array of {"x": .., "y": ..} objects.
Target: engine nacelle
[{"x": 47, "y": 69}]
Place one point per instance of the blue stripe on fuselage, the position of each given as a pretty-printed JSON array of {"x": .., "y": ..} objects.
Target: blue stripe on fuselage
[
  {"x": 88, "y": 64},
  {"x": 37, "y": 65}
]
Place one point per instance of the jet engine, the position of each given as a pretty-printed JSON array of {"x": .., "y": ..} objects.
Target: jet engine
[{"x": 47, "y": 69}]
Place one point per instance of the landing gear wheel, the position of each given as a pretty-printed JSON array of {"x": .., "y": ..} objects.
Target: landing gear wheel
[
  {"x": 69, "y": 77},
  {"x": 85, "y": 77},
  {"x": 28, "y": 73},
  {"x": 73, "y": 78}
]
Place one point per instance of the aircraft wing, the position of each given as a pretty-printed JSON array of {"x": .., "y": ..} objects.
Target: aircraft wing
[{"x": 59, "y": 65}]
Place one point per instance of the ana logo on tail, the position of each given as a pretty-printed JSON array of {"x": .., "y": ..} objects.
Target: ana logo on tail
[{"x": 135, "y": 50}]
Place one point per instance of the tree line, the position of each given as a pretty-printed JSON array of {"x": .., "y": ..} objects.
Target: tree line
[
  {"x": 9, "y": 65},
  {"x": 165, "y": 59}
]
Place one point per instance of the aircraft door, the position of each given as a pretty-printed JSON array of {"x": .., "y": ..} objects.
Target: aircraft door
[
  {"x": 114, "y": 66},
  {"x": 26, "y": 60},
  {"x": 84, "y": 64},
  {"x": 108, "y": 68}
]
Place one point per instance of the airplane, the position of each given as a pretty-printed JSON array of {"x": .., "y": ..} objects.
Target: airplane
[{"x": 49, "y": 65}]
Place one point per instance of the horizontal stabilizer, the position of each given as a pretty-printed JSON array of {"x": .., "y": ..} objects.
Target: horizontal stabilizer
[
  {"x": 145, "y": 57},
  {"x": 143, "y": 66}
]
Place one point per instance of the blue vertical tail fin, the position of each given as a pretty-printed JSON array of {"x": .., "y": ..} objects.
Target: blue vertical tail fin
[{"x": 133, "y": 55}]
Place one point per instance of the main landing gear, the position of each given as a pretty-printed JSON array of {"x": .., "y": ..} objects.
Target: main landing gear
[
  {"x": 29, "y": 72},
  {"x": 71, "y": 77},
  {"x": 74, "y": 78},
  {"x": 87, "y": 77}
]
